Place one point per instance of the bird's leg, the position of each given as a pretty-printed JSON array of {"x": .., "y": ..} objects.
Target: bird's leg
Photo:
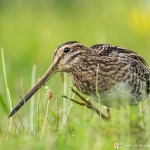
[{"x": 88, "y": 104}]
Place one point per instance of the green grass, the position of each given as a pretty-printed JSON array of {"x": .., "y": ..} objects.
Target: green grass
[
  {"x": 30, "y": 31},
  {"x": 62, "y": 126}
]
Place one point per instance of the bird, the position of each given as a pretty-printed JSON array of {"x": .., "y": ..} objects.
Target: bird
[{"x": 113, "y": 75}]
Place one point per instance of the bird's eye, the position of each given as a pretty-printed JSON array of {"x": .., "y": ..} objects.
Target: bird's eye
[{"x": 66, "y": 49}]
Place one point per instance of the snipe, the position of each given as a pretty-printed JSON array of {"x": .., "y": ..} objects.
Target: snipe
[{"x": 115, "y": 75}]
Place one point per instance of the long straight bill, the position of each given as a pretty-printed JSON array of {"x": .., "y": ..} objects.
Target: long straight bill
[{"x": 50, "y": 72}]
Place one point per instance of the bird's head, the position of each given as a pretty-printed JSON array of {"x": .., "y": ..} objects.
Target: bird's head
[{"x": 65, "y": 57}]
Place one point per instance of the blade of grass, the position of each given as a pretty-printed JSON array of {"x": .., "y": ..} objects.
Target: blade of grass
[
  {"x": 38, "y": 110},
  {"x": 71, "y": 104},
  {"x": 7, "y": 89},
  {"x": 32, "y": 100},
  {"x": 47, "y": 108},
  {"x": 64, "y": 119},
  {"x": 97, "y": 92}
]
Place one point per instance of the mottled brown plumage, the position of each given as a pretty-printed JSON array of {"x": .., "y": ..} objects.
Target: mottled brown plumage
[{"x": 112, "y": 74}]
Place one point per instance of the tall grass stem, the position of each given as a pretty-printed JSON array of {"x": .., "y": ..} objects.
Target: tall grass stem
[
  {"x": 6, "y": 85},
  {"x": 32, "y": 99}
]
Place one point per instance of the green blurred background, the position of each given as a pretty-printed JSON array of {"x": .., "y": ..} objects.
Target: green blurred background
[{"x": 30, "y": 30}]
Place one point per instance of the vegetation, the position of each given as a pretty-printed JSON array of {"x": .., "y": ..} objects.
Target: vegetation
[{"x": 29, "y": 33}]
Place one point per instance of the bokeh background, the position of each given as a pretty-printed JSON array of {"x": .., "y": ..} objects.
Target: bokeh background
[{"x": 30, "y": 31}]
